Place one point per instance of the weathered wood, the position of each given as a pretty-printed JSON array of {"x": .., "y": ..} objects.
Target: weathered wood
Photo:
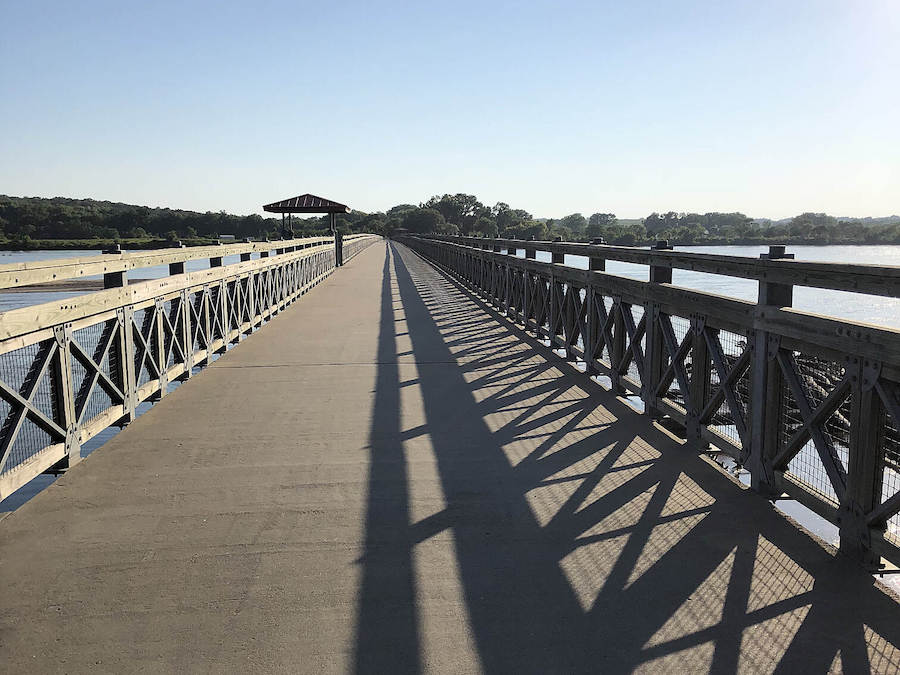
[
  {"x": 700, "y": 378},
  {"x": 115, "y": 279},
  {"x": 865, "y": 464},
  {"x": 27, "y": 319},
  {"x": 41, "y": 271},
  {"x": 13, "y": 275},
  {"x": 655, "y": 356},
  {"x": 871, "y": 279}
]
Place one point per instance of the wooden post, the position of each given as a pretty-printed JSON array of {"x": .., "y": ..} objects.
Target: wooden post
[
  {"x": 223, "y": 314},
  {"x": 597, "y": 263},
  {"x": 699, "y": 382},
  {"x": 655, "y": 357},
  {"x": 617, "y": 348},
  {"x": 185, "y": 328},
  {"x": 125, "y": 365},
  {"x": 160, "y": 354},
  {"x": 766, "y": 386},
  {"x": 64, "y": 392},
  {"x": 115, "y": 280},
  {"x": 556, "y": 256},
  {"x": 865, "y": 464}
]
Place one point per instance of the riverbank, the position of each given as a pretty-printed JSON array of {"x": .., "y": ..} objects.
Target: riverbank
[{"x": 96, "y": 244}]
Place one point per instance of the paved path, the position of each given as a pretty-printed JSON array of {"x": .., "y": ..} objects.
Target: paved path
[{"x": 387, "y": 479}]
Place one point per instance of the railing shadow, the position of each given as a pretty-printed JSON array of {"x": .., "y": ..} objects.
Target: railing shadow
[{"x": 587, "y": 540}]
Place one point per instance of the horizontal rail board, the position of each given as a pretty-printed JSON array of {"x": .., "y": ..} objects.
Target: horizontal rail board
[
  {"x": 869, "y": 279},
  {"x": 45, "y": 271},
  {"x": 24, "y": 320}
]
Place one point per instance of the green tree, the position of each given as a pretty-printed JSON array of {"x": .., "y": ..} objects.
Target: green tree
[
  {"x": 600, "y": 223},
  {"x": 486, "y": 226},
  {"x": 460, "y": 209},
  {"x": 423, "y": 220},
  {"x": 575, "y": 223}
]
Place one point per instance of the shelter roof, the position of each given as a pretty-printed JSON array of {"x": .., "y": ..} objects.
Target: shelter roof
[{"x": 306, "y": 204}]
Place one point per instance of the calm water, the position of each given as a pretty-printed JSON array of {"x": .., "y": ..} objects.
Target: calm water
[
  {"x": 853, "y": 306},
  {"x": 15, "y": 300}
]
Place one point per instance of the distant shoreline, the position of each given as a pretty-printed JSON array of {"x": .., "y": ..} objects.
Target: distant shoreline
[
  {"x": 96, "y": 244},
  {"x": 146, "y": 244}
]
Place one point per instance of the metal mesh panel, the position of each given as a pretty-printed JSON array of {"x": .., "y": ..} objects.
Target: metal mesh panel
[
  {"x": 543, "y": 296},
  {"x": 14, "y": 365},
  {"x": 44, "y": 399},
  {"x": 173, "y": 356},
  {"x": 680, "y": 328},
  {"x": 246, "y": 289},
  {"x": 232, "y": 296},
  {"x": 637, "y": 311},
  {"x": 30, "y": 440},
  {"x": 890, "y": 485},
  {"x": 817, "y": 377},
  {"x": 197, "y": 321},
  {"x": 18, "y": 368},
  {"x": 90, "y": 398},
  {"x": 722, "y": 421},
  {"x": 143, "y": 363},
  {"x": 607, "y": 303},
  {"x": 215, "y": 312}
]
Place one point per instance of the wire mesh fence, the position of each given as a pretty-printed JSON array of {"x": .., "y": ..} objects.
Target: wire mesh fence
[
  {"x": 818, "y": 377},
  {"x": 26, "y": 372},
  {"x": 723, "y": 420},
  {"x": 890, "y": 482}
]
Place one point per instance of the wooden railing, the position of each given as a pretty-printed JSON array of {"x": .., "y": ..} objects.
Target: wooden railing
[
  {"x": 808, "y": 404},
  {"x": 73, "y": 367}
]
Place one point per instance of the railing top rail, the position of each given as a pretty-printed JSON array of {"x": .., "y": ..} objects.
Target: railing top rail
[
  {"x": 35, "y": 318},
  {"x": 43, "y": 271},
  {"x": 832, "y": 333},
  {"x": 858, "y": 278}
]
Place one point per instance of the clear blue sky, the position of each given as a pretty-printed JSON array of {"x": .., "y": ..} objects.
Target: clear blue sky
[{"x": 771, "y": 108}]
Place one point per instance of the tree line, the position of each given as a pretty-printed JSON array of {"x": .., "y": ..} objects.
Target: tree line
[
  {"x": 464, "y": 214},
  {"x": 27, "y": 221},
  {"x": 23, "y": 219}
]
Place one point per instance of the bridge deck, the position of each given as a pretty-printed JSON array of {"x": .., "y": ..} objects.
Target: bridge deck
[{"x": 387, "y": 479}]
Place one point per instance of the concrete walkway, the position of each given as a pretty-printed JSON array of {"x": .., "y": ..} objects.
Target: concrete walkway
[{"x": 387, "y": 479}]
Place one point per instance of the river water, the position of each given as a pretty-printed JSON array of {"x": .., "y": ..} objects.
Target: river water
[{"x": 853, "y": 306}]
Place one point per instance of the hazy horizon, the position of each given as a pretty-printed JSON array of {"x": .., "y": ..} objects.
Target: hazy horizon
[{"x": 765, "y": 108}]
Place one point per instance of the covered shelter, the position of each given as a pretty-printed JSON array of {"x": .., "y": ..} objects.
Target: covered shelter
[{"x": 305, "y": 204}]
